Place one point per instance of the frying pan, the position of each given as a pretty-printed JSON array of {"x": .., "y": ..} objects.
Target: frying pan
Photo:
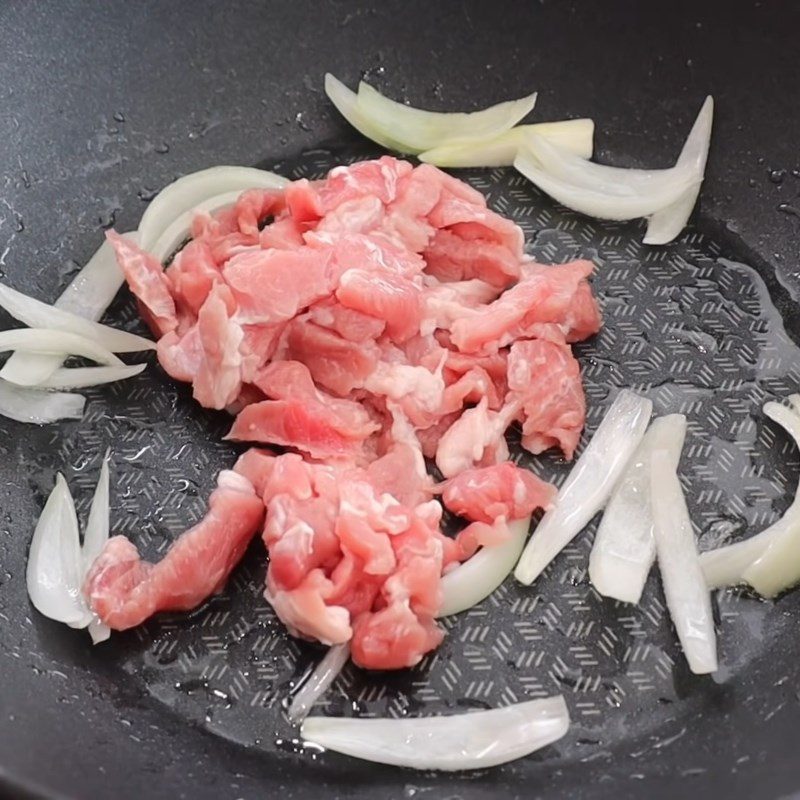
[{"x": 104, "y": 102}]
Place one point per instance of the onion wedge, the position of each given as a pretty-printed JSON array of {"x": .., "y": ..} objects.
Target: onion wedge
[
  {"x": 37, "y": 314},
  {"x": 175, "y": 235},
  {"x": 187, "y": 192},
  {"x": 42, "y": 340},
  {"x": 319, "y": 681},
  {"x": 767, "y": 561},
  {"x": 480, "y": 575},
  {"x": 38, "y": 407},
  {"x": 598, "y": 190},
  {"x": 666, "y": 224},
  {"x": 573, "y": 135},
  {"x": 419, "y": 130},
  {"x": 624, "y": 548},
  {"x": 82, "y": 377},
  {"x": 474, "y": 740},
  {"x": 688, "y": 597},
  {"x": 54, "y": 569},
  {"x": 88, "y": 295},
  {"x": 589, "y": 484}
]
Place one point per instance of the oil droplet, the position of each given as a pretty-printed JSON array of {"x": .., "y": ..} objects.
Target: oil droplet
[
  {"x": 119, "y": 116},
  {"x": 162, "y": 148},
  {"x": 146, "y": 195},
  {"x": 789, "y": 209},
  {"x": 776, "y": 176},
  {"x": 108, "y": 219}
]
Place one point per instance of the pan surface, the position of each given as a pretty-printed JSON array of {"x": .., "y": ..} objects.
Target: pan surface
[{"x": 192, "y": 704}]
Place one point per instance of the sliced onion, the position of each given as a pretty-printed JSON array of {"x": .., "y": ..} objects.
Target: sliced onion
[
  {"x": 688, "y": 598},
  {"x": 96, "y": 534},
  {"x": 37, "y": 314},
  {"x": 573, "y": 135},
  {"x": 420, "y": 130},
  {"x": 479, "y": 576},
  {"x": 319, "y": 681},
  {"x": 42, "y": 340},
  {"x": 38, "y": 407},
  {"x": 187, "y": 192},
  {"x": 54, "y": 569},
  {"x": 624, "y": 548},
  {"x": 81, "y": 377},
  {"x": 666, "y": 224},
  {"x": 89, "y": 294},
  {"x": 769, "y": 560},
  {"x": 346, "y": 102},
  {"x": 475, "y": 740},
  {"x": 175, "y": 235},
  {"x": 589, "y": 484},
  {"x": 597, "y": 190}
]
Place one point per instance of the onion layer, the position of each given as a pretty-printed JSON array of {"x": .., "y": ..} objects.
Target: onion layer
[
  {"x": 589, "y": 484},
  {"x": 38, "y": 407},
  {"x": 767, "y": 561},
  {"x": 474, "y": 740},
  {"x": 688, "y": 598},
  {"x": 573, "y": 135},
  {"x": 319, "y": 681},
  {"x": 81, "y": 377},
  {"x": 42, "y": 340},
  {"x": 624, "y": 548},
  {"x": 480, "y": 575},
  {"x": 88, "y": 295}
]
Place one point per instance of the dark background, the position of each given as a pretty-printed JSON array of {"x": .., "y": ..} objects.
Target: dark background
[{"x": 102, "y": 103}]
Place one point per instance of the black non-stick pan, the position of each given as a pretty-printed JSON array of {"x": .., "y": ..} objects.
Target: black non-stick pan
[{"x": 102, "y": 104}]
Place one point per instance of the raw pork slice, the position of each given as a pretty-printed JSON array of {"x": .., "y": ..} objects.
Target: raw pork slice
[{"x": 124, "y": 591}]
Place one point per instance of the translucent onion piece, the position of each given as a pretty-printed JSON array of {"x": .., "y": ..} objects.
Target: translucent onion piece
[
  {"x": 175, "y": 235},
  {"x": 42, "y": 340},
  {"x": 38, "y": 407},
  {"x": 573, "y": 135},
  {"x": 479, "y": 576},
  {"x": 89, "y": 294},
  {"x": 37, "y": 314},
  {"x": 54, "y": 569},
  {"x": 419, "y": 130},
  {"x": 589, "y": 484},
  {"x": 81, "y": 377},
  {"x": 624, "y": 548},
  {"x": 688, "y": 597},
  {"x": 96, "y": 534},
  {"x": 475, "y": 740},
  {"x": 767, "y": 561},
  {"x": 597, "y": 190},
  {"x": 187, "y": 192},
  {"x": 346, "y": 102},
  {"x": 666, "y": 224},
  {"x": 319, "y": 681}
]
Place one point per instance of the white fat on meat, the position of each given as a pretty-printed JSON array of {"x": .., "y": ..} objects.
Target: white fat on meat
[{"x": 399, "y": 381}]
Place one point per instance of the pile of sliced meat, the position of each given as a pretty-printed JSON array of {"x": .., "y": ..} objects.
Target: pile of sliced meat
[{"x": 357, "y": 326}]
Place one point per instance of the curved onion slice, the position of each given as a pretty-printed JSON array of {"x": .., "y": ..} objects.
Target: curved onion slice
[
  {"x": 346, "y": 102},
  {"x": 88, "y": 295},
  {"x": 598, "y": 190},
  {"x": 319, "y": 681},
  {"x": 94, "y": 539},
  {"x": 175, "y": 235},
  {"x": 688, "y": 597},
  {"x": 42, "y": 340},
  {"x": 420, "y": 130},
  {"x": 666, "y": 224},
  {"x": 81, "y": 377},
  {"x": 624, "y": 548},
  {"x": 573, "y": 135},
  {"x": 37, "y": 314},
  {"x": 54, "y": 564},
  {"x": 589, "y": 484},
  {"x": 480, "y": 575},
  {"x": 474, "y": 740},
  {"x": 767, "y": 561},
  {"x": 38, "y": 407},
  {"x": 187, "y": 192}
]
